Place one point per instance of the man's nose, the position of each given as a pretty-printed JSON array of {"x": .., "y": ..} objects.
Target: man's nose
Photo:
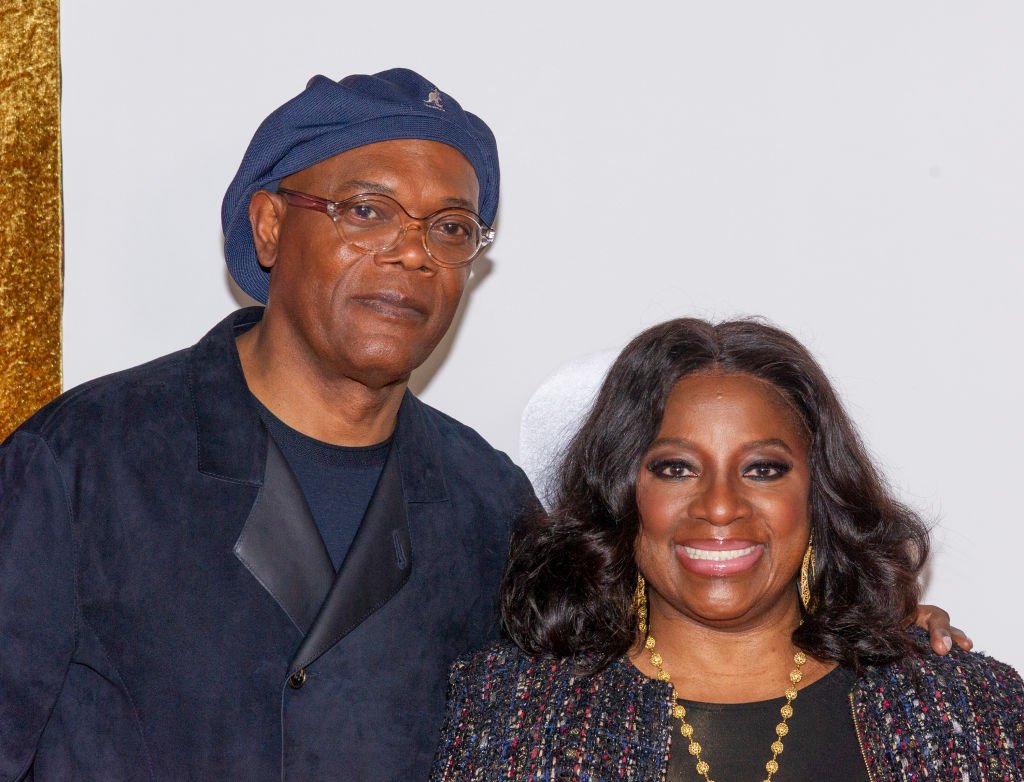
[{"x": 410, "y": 250}]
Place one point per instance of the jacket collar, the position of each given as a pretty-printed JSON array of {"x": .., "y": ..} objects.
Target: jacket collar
[
  {"x": 233, "y": 441},
  {"x": 279, "y": 543}
]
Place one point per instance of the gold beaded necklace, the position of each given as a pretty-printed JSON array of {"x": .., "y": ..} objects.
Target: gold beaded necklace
[{"x": 679, "y": 711}]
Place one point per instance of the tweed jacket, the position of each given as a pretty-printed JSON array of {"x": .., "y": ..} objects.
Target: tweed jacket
[
  {"x": 168, "y": 610},
  {"x": 949, "y": 719}
]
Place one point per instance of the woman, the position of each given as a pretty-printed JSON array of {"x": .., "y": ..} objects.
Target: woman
[{"x": 720, "y": 593}]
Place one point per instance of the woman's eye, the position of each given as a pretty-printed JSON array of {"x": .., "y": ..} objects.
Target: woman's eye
[
  {"x": 766, "y": 471},
  {"x": 671, "y": 468}
]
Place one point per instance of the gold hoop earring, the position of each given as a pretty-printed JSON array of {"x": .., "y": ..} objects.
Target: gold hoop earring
[
  {"x": 807, "y": 575},
  {"x": 640, "y": 604}
]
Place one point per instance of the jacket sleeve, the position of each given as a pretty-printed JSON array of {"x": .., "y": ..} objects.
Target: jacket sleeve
[
  {"x": 927, "y": 716},
  {"x": 1012, "y": 715},
  {"x": 462, "y": 754},
  {"x": 992, "y": 698},
  {"x": 526, "y": 506},
  {"x": 446, "y": 759},
  {"x": 37, "y": 596}
]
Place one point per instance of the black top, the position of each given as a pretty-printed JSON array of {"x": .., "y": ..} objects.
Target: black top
[
  {"x": 337, "y": 481},
  {"x": 735, "y": 739}
]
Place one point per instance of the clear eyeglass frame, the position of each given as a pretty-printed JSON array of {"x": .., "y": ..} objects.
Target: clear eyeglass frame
[{"x": 334, "y": 209}]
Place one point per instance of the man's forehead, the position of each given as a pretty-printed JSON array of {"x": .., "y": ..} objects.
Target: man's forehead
[
  {"x": 385, "y": 154},
  {"x": 393, "y": 167}
]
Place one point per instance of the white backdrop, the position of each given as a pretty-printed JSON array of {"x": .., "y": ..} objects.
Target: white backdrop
[{"x": 854, "y": 172}]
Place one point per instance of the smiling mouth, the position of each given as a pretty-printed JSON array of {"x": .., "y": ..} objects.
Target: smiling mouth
[{"x": 718, "y": 556}]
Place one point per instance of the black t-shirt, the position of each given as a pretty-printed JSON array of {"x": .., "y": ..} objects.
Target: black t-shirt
[
  {"x": 735, "y": 738},
  {"x": 338, "y": 481}
]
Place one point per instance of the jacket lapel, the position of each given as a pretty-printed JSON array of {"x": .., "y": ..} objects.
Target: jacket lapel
[
  {"x": 377, "y": 565},
  {"x": 279, "y": 544},
  {"x": 282, "y": 547},
  {"x": 380, "y": 560}
]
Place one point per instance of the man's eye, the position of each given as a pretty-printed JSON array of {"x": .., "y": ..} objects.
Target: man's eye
[
  {"x": 362, "y": 212},
  {"x": 767, "y": 471},
  {"x": 454, "y": 228},
  {"x": 453, "y": 231},
  {"x": 671, "y": 468}
]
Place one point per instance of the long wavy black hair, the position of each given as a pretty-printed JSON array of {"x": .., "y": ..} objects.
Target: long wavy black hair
[{"x": 569, "y": 585}]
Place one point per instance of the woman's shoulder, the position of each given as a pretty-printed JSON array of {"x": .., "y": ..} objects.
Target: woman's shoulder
[
  {"x": 964, "y": 709},
  {"x": 504, "y": 667},
  {"x": 511, "y": 715},
  {"x": 499, "y": 656},
  {"x": 991, "y": 681}
]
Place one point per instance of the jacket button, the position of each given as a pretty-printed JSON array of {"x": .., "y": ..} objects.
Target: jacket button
[{"x": 297, "y": 679}]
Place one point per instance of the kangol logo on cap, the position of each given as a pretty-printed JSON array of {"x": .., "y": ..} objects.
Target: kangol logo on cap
[{"x": 434, "y": 100}]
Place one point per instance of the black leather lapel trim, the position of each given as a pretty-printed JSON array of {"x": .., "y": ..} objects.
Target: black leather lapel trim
[
  {"x": 281, "y": 545},
  {"x": 377, "y": 565}
]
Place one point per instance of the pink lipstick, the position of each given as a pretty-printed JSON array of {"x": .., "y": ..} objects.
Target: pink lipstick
[{"x": 718, "y": 558}]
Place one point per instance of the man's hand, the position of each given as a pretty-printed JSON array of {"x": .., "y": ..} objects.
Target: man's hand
[{"x": 941, "y": 633}]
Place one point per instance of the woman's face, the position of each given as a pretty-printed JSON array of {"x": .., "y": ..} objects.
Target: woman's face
[{"x": 723, "y": 500}]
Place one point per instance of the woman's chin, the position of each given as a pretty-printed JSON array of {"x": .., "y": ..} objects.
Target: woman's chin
[{"x": 724, "y": 606}]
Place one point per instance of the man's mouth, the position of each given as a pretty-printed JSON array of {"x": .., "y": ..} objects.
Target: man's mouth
[{"x": 393, "y": 304}]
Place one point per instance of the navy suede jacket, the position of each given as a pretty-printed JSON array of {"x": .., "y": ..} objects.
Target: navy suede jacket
[{"x": 168, "y": 610}]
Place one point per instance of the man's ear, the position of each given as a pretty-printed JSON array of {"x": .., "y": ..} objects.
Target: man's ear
[{"x": 266, "y": 210}]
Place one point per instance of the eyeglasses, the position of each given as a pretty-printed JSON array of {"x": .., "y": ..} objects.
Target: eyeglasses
[{"x": 373, "y": 223}]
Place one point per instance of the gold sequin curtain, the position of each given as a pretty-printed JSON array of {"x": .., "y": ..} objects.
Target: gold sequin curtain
[{"x": 31, "y": 217}]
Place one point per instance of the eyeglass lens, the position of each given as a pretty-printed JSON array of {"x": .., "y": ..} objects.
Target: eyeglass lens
[{"x": 375, "y": 225}]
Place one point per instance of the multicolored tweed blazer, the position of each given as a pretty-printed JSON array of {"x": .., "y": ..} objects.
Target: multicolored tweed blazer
[{"x": 958, "y": 718}]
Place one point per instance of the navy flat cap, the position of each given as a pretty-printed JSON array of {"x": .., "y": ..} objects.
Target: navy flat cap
[{"x": 328, "y": 118}]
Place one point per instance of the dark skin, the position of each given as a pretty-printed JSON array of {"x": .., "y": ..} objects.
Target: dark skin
[
  {"x": 941, "y": 633},
  {"x": 343, "y": 330},
  {"x": 728, "y": 472}
]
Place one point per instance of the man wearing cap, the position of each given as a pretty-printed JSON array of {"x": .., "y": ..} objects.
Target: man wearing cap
[{"x": 254, "y": 559}]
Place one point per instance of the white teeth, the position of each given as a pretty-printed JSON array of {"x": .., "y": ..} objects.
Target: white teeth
[{"x": 718, "y": 556}]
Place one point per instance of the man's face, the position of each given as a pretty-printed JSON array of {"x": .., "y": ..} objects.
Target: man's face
[{"x": 369, "y": 317}]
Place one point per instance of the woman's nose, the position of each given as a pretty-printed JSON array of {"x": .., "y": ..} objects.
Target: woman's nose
[{"x": 720, "y": 501}]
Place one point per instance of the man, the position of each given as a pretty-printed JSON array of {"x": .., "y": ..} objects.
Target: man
[{"x": 255, "y": 559}]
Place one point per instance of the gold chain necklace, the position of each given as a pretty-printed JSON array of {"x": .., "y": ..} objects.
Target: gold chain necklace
[{"x": 679, "y": 711}]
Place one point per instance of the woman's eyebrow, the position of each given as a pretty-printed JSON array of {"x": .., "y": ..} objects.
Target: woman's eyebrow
[
  {"x": 767, "y": 442},
  {"x": 679, "y": 442}
]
